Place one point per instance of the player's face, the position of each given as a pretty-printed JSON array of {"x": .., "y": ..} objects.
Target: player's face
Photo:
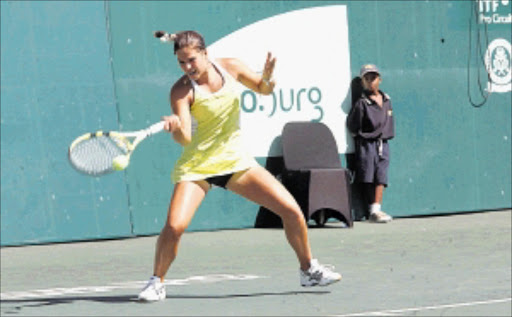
[
  {"x": 192, "y": 61},
  {"x": 371, "y": 81}
]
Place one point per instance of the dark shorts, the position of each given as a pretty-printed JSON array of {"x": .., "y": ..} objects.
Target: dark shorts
[
  {"x": 220, "y": 181},
  {"x": 372, "y": 162}
]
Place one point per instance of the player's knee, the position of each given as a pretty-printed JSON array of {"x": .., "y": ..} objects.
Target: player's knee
[
  {"x": 174, "y": 231},
  {"x": 292, "y": 214}
]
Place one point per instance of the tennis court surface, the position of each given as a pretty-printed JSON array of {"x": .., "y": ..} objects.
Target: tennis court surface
[{"x": 457, "y": 265}]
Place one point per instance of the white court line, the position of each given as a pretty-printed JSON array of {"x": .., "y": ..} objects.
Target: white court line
[
  {"x": 61, "y": 291},
  {"x": 404, "y": 310}
]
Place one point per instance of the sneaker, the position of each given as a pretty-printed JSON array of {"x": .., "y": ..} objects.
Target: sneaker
[
  {"x": 318, "y": 274},
  {"x": 153, "y": 291},
  {"x": 380, "y": 217}
]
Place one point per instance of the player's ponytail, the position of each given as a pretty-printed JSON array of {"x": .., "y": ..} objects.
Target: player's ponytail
[
  {"x": 165, "y": 37},
  {"x": 182, "y": 39}
]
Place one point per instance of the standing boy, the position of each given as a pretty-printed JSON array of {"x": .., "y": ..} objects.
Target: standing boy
[{"x": 371, "y": 123}]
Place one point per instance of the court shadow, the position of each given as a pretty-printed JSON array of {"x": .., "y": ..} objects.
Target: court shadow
[{"x": 15, "y": 306}]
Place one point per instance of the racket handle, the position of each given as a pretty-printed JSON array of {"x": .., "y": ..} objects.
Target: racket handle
[{"x": 155, "y": 128}]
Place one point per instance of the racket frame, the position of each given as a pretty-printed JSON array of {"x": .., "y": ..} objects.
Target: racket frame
[{"x": 120, "y": 138}]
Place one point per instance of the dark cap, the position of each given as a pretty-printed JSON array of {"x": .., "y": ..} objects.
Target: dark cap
[{"x": 368, "y": 68}]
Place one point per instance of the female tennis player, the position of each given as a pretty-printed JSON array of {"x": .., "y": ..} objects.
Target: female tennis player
[{"x": 214, "y": 155}]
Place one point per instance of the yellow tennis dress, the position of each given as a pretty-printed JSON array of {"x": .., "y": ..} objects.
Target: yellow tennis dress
[{"x": 216, "y": 147}]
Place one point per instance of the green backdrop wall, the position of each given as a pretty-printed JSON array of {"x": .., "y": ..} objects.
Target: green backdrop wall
[{"x": 71, "y": 67}]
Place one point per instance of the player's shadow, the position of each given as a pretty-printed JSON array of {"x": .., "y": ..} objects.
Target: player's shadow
[
  {"x": 15, "y": 306},
  {"x": 249, "y": 295}
]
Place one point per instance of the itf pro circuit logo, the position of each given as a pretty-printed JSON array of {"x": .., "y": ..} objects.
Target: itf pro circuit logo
[
  {"x": 494, "y": 11},
  {"x": 498, "y": 63}
]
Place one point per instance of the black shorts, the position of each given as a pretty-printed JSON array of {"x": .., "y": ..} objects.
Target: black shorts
[
  {"x": 372, "y": 161},
  {"x": 220, "y": 181}
]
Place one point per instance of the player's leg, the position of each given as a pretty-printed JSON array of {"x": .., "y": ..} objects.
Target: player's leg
[
  {"x": 185, "y": 200},
  {"x": 261, "y": 187}
]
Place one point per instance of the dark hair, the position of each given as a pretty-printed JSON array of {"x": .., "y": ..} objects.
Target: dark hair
[{"x": 182, "y": 39}]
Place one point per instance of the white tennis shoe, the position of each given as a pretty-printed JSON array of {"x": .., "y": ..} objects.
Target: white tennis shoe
[
  {"x": 318, "y": 274},
  {"x": 380, "y": 217},
  {"x": 153, "y": 291}
]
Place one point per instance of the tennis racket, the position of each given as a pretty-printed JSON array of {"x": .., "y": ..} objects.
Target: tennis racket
[{"x": 100, "y": 153}]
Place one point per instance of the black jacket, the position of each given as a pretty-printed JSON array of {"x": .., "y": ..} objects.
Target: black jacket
[{"x": 367, "y": 120}]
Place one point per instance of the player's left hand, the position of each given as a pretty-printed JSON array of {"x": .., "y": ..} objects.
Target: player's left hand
[{"x": 269, "y": 69}]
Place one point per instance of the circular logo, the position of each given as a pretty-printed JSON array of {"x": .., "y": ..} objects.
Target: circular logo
[{"x": 498, "y": 61}]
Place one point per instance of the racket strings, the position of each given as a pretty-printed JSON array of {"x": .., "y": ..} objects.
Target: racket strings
[{"x": 95, "y": 155}]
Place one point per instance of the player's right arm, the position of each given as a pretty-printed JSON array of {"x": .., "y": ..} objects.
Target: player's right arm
[{"x": 180, "y": 123}]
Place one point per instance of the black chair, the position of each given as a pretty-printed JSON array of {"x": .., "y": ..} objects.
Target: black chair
[{"x": 313, "y": 173}]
